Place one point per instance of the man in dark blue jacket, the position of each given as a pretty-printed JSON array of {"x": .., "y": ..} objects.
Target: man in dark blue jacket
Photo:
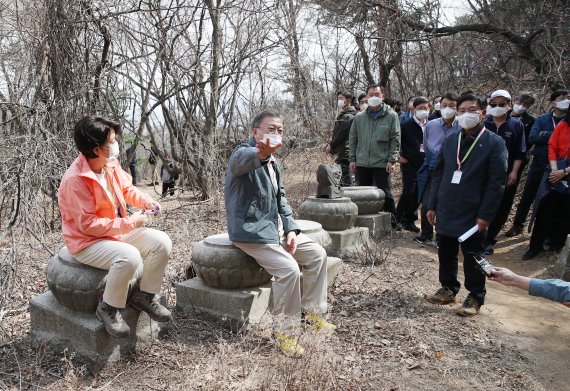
[
  {"x": 411, "y": 159},
  {"x": 511, "y": 129},
  {"x": 539, "y": 135},
  {"x": 260, "y": 222},
  {"x": 467, "y": 185}
]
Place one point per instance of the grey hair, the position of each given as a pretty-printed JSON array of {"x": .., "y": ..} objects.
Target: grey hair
[{"x": 261, "y": 116}]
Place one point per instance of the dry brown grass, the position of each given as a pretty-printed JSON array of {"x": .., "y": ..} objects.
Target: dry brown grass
[{"x": 389, "y": 338}]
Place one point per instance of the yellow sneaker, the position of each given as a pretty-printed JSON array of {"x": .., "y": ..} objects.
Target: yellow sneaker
[
  {"x": 289, "y": 345},
  {"x": 319, "y": 322}
]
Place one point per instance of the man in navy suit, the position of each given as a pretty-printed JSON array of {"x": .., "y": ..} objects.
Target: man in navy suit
[{"x": 467, "y": 187}]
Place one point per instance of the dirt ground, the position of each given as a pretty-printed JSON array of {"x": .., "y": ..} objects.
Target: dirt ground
[{"x": 388, "y": 337}]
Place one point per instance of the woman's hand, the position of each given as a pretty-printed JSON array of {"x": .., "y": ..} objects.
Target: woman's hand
[
  {"x": 556, "y": 176},
  {"x": 139, "y": 219}
]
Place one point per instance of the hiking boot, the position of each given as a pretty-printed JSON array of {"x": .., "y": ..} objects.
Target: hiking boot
[
  {"x": 514, "y": 231},
  {"x": 470, "y": 307},
  {"x": 410, "y": 227},
  {"x": 143, "y": 301},
  {"x": 530, "y": 254},
  {"x": 289, "y": 345},
  {"x": 112, "y": 320},
  {"x": 488, "y": 249},
  {"x": 443, "y": 296},
  {"x": 319, "y": 322}
]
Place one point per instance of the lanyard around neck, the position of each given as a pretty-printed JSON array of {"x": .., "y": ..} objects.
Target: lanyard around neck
[{"x": 459, "y": 162}]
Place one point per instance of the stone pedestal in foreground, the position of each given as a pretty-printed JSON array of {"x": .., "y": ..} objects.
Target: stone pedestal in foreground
[
  {"x": 316, "y": 232},
  {"x": 379, "y": 224},
  {"x": 59, "y": 327},
  {"x": 562, "y": 264}
]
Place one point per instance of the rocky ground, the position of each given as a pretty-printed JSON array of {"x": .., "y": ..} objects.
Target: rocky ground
[{"x": 389, "y": 337}]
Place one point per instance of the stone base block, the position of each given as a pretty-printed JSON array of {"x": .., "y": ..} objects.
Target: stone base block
[
  {"x": 378, "y": 224},
  {"x": 562, "y": 264},
  {"x": 59, "y": 327},
  {"x": 347, "y": 241},
  {"x": 248, "y": 304},
  {"x": 235, "y": 305}
]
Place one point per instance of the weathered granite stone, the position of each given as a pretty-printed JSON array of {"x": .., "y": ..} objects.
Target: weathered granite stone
[
  {"x": 347, "y": 241},
  {"x": 247, "y": 305},
  {"x": 335, "y": 214},
  {"x": 222, "y": 265},
  {"x": 378, "y": 224},
  {"x": 368, "y": 199},
  {"x": 59, "y": 327},
  {"x": 562, "y": 264},
  {"x": 78, "y": 286},
  {"x": 316, "y": 232},
  {"x": 328, "y": 181}
]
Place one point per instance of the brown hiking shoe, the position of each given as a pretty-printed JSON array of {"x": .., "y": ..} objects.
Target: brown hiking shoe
[
  {"x": 514, "y": 231},
  {"x": 470, "y": 307},
  {"x": 443, "y": 296},
  {"x": 112, "y": 320},
  {"x": 147, "y": 302}
]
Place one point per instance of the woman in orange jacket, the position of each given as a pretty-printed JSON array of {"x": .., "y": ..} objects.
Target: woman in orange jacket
[{"x": 98, "y": 231}]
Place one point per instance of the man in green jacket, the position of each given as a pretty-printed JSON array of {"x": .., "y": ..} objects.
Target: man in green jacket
[{"x": 374, "y": 145}]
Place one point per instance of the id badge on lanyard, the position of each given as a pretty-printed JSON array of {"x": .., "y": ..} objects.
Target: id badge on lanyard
[{"x": 456, "y": 178}]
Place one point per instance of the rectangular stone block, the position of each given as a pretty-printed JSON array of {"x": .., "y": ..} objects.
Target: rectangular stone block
[
  {"x": 378, "y": 224},
  {"x": 60, "y": 328},
  {"x": 562, "y": 264},
  {"x": 248, "y": 304},
  {"x": 347, "y": 241},
  {"x": 333, "y": 267}
]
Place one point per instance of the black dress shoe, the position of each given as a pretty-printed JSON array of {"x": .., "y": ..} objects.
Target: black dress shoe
[
  {"x": 410, "y": 227},
  {"x": 530, "y": 254},
  {"x": 488, "y": 249}
]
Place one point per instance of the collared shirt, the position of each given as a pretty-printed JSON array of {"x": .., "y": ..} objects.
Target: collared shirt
[
  {"x": 435, "y": 133},
  {"x": 512, "y": 131}
]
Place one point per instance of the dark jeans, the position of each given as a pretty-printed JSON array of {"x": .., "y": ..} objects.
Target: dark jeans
[
  {"x": 535, "y": 173},
  {"x": 407, "y": 211},
  {"x": 377, "y": 176},
  {"x": 448, "y": 266},
  {"x": 133, "y": 170},
  {"x": 168, "y": 186},
  {"x": 344, "y": 163},
  {"x": 427, "y": 228},
  {"x": 502, "y": 213},
  {"x": 553, "y": 220}
]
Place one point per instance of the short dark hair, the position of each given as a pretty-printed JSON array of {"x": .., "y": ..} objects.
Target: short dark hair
[
  {"x": 558, "y": 93},
  {"x": 346, "y": 94},
  {"x": 360, "y": 97},
  {"x": 261, "y": 116},
  {"x": 419, "y": 100},
  {"x": 92, "y": 131},
  {"x": 437, "y": 96},
  {"x": 480, "y": 99},
  {"x": 389, "y": 101},
  {"x": 375, "y": 85},
  {"x": 526, "y": 95},
  {"x": 450, "y": 96}
]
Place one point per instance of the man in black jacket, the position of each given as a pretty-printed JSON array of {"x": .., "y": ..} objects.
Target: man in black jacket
[
  {"x": 339, "y": 143},
  {"x": 467, "y": 186},
  {"x": 411, "y": 159}
]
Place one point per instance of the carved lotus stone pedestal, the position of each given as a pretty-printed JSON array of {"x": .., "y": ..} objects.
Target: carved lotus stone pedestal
[
  {"x": 337, "y": 216},
  {"x": 65, "y": 316},
  {"x": 230, "y": 284},
  {"x": 370, "y": 201},
  {"x": 316, "y": 232}
]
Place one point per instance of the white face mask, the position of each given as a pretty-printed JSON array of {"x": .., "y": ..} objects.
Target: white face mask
[
  {"x": 519, "y": 109},
  {"x": 448, "y": 112},
  {"x": 363, "y": 106},
  {"x": 437, "y": 107},
  {"x": 113, "y": 151},
  {"x": 374, "y": 101},
  {"x": 340, "y": 103},
  {"x": 468, "y": 120},
  {"x": 562, "y": 105},
  {"x": 497, "y": 111},
  {"x": 422, "y": 115}
]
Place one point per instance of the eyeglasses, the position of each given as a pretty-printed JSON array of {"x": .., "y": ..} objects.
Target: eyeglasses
[{"x": 504, "y": 104}]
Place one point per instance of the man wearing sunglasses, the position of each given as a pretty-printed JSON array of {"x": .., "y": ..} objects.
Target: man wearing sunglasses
[{"x": 511, "y": 129}]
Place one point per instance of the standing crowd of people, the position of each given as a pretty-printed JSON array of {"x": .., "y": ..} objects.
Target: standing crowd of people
[{"x": 461, "y": 159}]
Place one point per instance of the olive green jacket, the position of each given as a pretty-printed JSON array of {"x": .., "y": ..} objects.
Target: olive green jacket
[{"x": 375, "y": 142}]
